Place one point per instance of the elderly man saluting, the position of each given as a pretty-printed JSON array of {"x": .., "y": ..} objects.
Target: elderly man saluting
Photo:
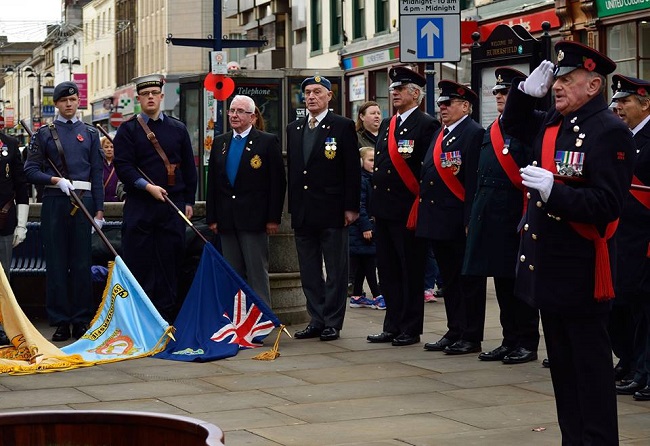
[{"x": 566, "y": 247}]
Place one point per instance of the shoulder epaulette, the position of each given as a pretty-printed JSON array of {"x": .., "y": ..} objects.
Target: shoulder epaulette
[{"x": 91, "y": 128}]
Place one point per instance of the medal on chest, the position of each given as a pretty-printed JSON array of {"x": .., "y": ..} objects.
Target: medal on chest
[
  {"x": 4, "y": 149},
  {"x": 569, "y": 163},
  {"x": 256, "y": 162},
  {"x": 330, "y": 148},
  {"x": 405, "y": 147},
  {"x": 451, "y": 160}
]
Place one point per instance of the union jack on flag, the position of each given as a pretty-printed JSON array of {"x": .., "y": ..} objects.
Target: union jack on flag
[{"x": 221, "y": 315}]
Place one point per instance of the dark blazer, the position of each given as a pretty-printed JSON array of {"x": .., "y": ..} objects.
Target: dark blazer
[
  {"x": 556, "y": 265},
  {"x": 321, "y": 190},
  {"x": 492, "y": 238},
  {"x": 257, "y": 196},
  {"x": 391, "y": 198},
  {"x": 12, "y": 181},
  {"x": 441, "y": 215},
  {"x": 633, "y": 234}
]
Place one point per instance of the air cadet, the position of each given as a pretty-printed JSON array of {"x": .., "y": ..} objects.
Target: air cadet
[
  {"x": 402, "y": 142},
  {"x": 75, "y": 150},
  {"x": 567, "y": 247}
]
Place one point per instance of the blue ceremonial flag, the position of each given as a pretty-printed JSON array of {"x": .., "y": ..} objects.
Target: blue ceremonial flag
[
  {"x": 126, "y": 326},
  {"x": 221, "y": 314}
]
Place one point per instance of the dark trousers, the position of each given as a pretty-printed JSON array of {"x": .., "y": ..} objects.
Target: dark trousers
[
  {"x": 519, "y": 321},
  {"x": 464, "y": 295},
  {"x": 580, "y": 354},
  {"x": 68, "y": 257},
  {"x": 365, "y": 268},
  {"x": 326, "y": 296},
  {"x": 400, "y": 263},
  {"x": 621, "y": 332},
  {"x": 153, "y": 239}
]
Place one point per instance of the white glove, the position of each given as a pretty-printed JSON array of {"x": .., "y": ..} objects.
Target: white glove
[
  {"x": 65, "y": 186},
  {"x": 20, "y": 233},
  {"x": 539, "y": 179},
  {"x": 539, "y": 81},
  {"x": 99, "y": 223}
]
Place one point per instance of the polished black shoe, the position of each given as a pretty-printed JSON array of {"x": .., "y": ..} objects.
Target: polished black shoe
[
  {"x": 546, "y": 363},
  {"x": 439, "y": 345},
  {"x": 462, "y": 348},
  {"x": 4, "y": 340},
  {"x": 62, "y": 333},
  {"x": 405, "y": 339},
  {"x": 642, "y": 395},
  {"x": 329, "y": 334},
  {"x": 382, "y": 337},
  {"x": 78, "y": 330},
  {"x": 495, "y": 355},
  {"x": 629, "y": 388},
  {"x": 309, "y": 332},
  {"x": 520, "y": 355}
]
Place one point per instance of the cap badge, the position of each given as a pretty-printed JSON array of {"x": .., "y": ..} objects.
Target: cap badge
[
  {"x": 560, "y": 55},
  {"x": 71, "y": 90},
  {"x": 619, "y": 85},
  {"x": 499, "y": 78},
  {"x": 317, "y": 79}
]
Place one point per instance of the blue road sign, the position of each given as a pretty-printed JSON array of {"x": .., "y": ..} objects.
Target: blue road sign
[{"x": 430, "y": 38}]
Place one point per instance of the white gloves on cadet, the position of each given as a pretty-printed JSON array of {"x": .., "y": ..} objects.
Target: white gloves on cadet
[
  {"x": 20, "y": 233},
  {"x": 99, "y": 223},
  {"x": 539, "y": 179},
  {"x": 539, "y": 81},
  {"x": 65, "y": 186}
]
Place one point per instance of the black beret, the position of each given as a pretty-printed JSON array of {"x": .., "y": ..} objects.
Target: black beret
[
  {"x": 453, "y": 90},
  {"x": 624, "y": 86},
  {"x": 403, "y": 76},
  {"x": 320, "y": 80},
  {"x": 572, "y": 55},
  {"x": 64, "y": 89},
  {"x": 504, "y": 77}
]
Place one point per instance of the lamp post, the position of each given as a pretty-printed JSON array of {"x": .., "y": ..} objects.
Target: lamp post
[
  {"x": 70, "y": 62},
  {"x": 37, "y": 111}
]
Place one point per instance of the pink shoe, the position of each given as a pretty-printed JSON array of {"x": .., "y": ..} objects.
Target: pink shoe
[{"x": 429, "y": 296}]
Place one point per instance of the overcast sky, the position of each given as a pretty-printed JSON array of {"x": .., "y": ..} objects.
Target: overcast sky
[{"x": 26, "y": 20}]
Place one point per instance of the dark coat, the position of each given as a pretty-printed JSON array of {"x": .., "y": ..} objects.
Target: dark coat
[
  {"x": 633, "y": 234},
  {"x": 257, "y": 196},
  {"x": 13, "y": 184},
  {"x": 391, "y": 198},
  {"x": 556, "y": 267},
  {"x": 492, "y": 238},
  {"x": 322, "y": 190},
  {"x": 358, "y": 244},
  {"x": 441, "y": 215},
  {"x": 366, "y": 139}
]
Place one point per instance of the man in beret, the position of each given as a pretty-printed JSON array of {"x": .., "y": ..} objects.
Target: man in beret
[
  {"x": 401, "y": 144},
  {"x": 632, "y": 98},
  {"x": 74, "y": 148},
  {"x": 447, "y": 187},
  {"x": 324, "y": 196},
  {"x": 153, "y": 235},
  {"x": 566, "y": 249},
  {"x": 492, "y": 237}
]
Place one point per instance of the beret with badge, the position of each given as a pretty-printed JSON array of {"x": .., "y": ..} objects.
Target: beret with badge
[
  {"x": 504, "y": 77},
  {"x": 403, "y": 76},
  {"x": 573, "y": 55},
  {"x": 65, "y": 89},
  {"x": 148, "y": 81},
  {"x": 316, "y": 80},
  {"x": 624, "y": 86},
  {"x": 452, "y": 90}
]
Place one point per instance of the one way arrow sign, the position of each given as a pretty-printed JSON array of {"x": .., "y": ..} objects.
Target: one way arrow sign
[{"x": 429, "y": 32}]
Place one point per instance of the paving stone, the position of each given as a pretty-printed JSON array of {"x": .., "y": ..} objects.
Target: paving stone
[
  {"x": 241, "y": 419},
  {"x": 519, "y": 436},
  {"x": 355, "y": 372},
  {"x": 42, "y": 397},
  {"x": 214, "y": 402},
  {"x": 153, "y": 389},
  {"x": 249, "y": 381}
]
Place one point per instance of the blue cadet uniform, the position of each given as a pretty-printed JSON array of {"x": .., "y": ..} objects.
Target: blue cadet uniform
[
  {"x": 153, "y": 235},
  {"x": 67, "y": 235}
]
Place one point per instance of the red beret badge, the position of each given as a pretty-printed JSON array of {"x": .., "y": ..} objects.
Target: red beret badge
[
  {"x": 642, "y": 92},
  {"x": 589, "y": 64},
  {"x": 461, "y": 91}
]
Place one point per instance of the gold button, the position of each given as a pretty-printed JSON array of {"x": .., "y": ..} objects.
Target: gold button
[
  {"x": 430, "y": 183},
  {"x": 420, "y": 181},
  {"x": 388, "y": 189},
  {"x": 558, "y": 218},
  {"x": 528, "y": 195},
  {"x": 376, "y": 169},
  {"x": 233, "y": 196},
  {"x": 522, "y": 258},
  {"x": 306, "y": 186},
  {"x": 526, "y": 227},
  {"x": 534, "y": 236},
  {"x": 432, "y": 202},
  {"x": 304, "y": 172},
  {"x": 420, "y": 200},
  {"x": 377, "y": 152},
  {"x": 374, "y": 187},
  {"x": 531, "y": 267},
  {"x": 388, "y": 171},
  {"x": 539, "y": 204}
]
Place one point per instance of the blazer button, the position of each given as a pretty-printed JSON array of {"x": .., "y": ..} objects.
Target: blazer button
[
  {"x": 377, "y": 152},
  {"x": 304, "y": 172},
  {"x": 233, "y": 197},
  {"x": 531, "y": 267},
  {"x": 430, "y": 183},
  {"x": 388, "y": 171},
  {"x": 558, "y": 218},
  {"x": 534, "y": 236},
  {"x": 306, "y": 187},
  {"x": 528, "y": 195},
  {"x": 526, "y": 226},
  {"x": 420, "y": 200},
  {"x": 376, "y": 169},
  {"x": 388, "y": 189},
  {"x": 374, "y": 186},
  {"x": 522, "y": 258},
  {"x": 432, "y": 202},
  {"x": 539, "y": 204}
]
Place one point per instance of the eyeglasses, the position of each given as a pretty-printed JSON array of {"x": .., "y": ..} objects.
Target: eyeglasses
[
  {"x": 150, "y": 93},
  {"x": 448, "y": 102},
  {"x": 239, "y": 112},
  {"x": 503, "y": 91}
]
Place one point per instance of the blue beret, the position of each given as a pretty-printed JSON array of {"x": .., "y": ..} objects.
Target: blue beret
[
  {"x": 64, "y": 89},
  {"x": 320, "y": 80}
]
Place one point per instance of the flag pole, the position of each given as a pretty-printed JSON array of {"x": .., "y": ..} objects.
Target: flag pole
[{"x": 167, "y": 199}]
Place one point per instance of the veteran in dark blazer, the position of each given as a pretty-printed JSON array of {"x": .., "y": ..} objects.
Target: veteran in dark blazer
[
  {"x": 447, "y": 187},
  {"x": 632, "y": 99},
  {"x": 567, "y": 250},
  {"x": 492, "y": 237},
  {"x": 401, "y": 144},
  {"x": 324, "y": 193},
  {"x": 245, "y": 194}
]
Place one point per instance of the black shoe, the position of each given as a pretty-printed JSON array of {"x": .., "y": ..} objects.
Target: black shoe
[
  {"x": 629, "y": 389},
  {"x": 78, "y": 330},
  {"x": 62, "y": 333},
  {"x": 520, "y": 355},
  {"x": 4, "y": 340},
  {"x": 381, "y": 337},
  {"x": 642, "y": 395},
  {"x": 329, "y": 334},
  {"x": 546, "y": 363},
  {"x": 439, "y": 345},
  {"x": 405, "y": 339},
  {"x": 495, "y": 355},
  {"x": 309, "y": 332},
  {"x": 462, "y": 348},
  {"x": 620, "y": 371}
]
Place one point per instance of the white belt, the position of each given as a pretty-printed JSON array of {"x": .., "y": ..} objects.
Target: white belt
[{"x": 78, "y": 185}]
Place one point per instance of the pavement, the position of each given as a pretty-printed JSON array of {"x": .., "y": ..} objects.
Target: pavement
[{"x": 345, "y": 392}]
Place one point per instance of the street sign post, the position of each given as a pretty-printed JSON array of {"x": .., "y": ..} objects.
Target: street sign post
[
  {"x": 116, "y": 119},
  {"x": 429, "y": 30}
]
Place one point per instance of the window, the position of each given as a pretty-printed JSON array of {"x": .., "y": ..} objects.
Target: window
[
  {"x": 381, "y": 16},
  {"x": 336, "y": 22},
  {"x": 358, "y": 19},
  {"x": 316, "y": 26},
  {"x": 628, "y": 44}
]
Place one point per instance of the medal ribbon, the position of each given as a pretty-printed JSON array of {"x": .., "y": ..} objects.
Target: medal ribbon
[
  {"x": 404, "y": 173},
  {"x": 603, "y": 286},
  {"x": 451, "y": 181},
  {"x": 507, "y": 163}
]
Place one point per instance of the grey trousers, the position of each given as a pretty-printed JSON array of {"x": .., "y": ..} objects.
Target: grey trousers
[{"x": 248, "y": 254}]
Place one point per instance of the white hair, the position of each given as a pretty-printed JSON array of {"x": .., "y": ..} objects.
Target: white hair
[{"x": 247, "y": 99}]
